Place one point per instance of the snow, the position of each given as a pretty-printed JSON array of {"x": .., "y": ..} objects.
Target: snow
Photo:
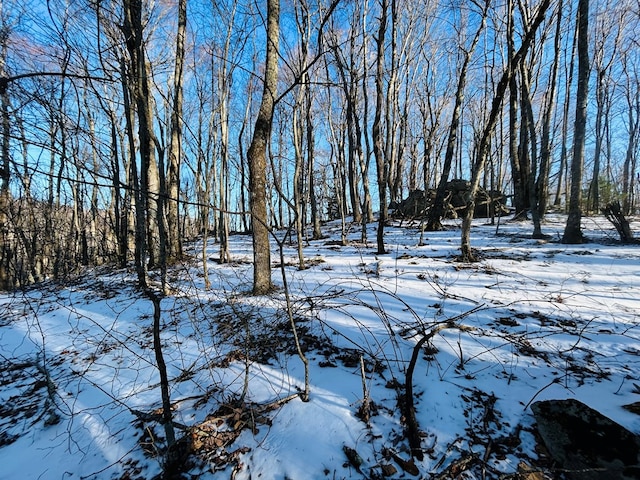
[{"x": 534, "y": 320}]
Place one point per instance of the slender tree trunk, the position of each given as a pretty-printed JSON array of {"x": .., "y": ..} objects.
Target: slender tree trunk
[
  {"x": 593, "y": 198},
  {"x": 484, "y": 143},
  {"x": 354, "y": 194},
  {"x": 140, "y": 248},
  {"x": 564, "y": 152},
  {"x": 337, "y": 142},
  {"x": 149, "y": 174},
  {"x": 223, "y": 184},
  {"x": 392, "y": 144},
  {"x": 167, "y": 416},
  {"x": 573, "y": 232},
  {"x": 257, "y": 157},
  {"x": 542, "y": 184},
  {"x": 120, "y": 220},
  {"x": 519, "y": 201},
  {"x": 354, "y": 134},
  {"x": 225, "y": 73},
  {"x": 530, "y": 146},
  {"x": 298, "y": 174},
  {"x": 381, "y": 162},
  {"x": 300, "y": 127},
  {"x": 150, "y": 178},
  {"x": 364, "y": 155},
  {"x": 174, "y": 236},
  {"x": 149, "y": 181},
  {"x": 633, "y": 115},
  {"x": 92, "y": 240},
  {"x": 438, "y": 210},
  {"x": 429, "y": 127},
  {"x": 6, "y": 282},
  {"x": 243, "y": 164},
  {"x": 313, "y": 199}
]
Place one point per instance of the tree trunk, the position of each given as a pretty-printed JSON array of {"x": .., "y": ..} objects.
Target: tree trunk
[
  {"x": 149, "y": 181},
  {"x": 438, "y": 210},
  {"x": 140, "y": 248},
  {"x": 313, "y": 199},
  {"x": 298, "y": 174},
  {"x": 519, "y": 202},
  {"x": 357, "y": 160},
  {"x": 484, "y": 144},
  {"x": 573, "y": 232},
  {"x": 530, "y": 146},
  {"x": 542, "y": 184},
  {"x": 363, "y": 155},
  {"x": 393, "y": 143},
  {"x": 225, "y": 73},
  {"x": 614, "y": 214},
  {"x": 564, "y": 152},
  {"x": 633, "y": 115},
  {"x": 149, "y": 174},
  {"x": 381, "y": 162},
  {"x": 257, "y": 157},
  {"x": 593, "y": 199},
  {"x": 6, "y": 282},
  {"x": 174, "y": 237},
  {"x": 337, "y": 142},
  {"x": 244, "y": 187}
]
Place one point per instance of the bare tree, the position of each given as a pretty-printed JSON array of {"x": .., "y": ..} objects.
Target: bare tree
[
  {"x": 5, "y": 251},
  {"x": 542, "y": 183},
  {"x": 349, "y": 83},
  {"x": 381, "y": 162},
  {"x": 257, "y": 156},
  {"x": 632, "y": 97},
  {"x": 609, "y": 28},
  {"x": 300, "y": 126},
  {"x": 573, "y": 231},
  {"x": 518, "y": 169},
  {"x": 437, "y": 211},
  {"x": 174, "y": 238},
  {"x": 482, "y": 149},
  {"x": 224, "y": 80}
]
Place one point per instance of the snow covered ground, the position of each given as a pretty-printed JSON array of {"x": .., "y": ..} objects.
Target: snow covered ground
[{"x": 533, "y": 320}]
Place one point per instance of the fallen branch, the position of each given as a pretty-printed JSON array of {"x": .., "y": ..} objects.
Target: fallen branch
[
  {"x": 457, "y": 467},
  {"x": 408, "y": 407}
]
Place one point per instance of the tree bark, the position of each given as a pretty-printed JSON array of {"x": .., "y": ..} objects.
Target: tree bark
[
  {"x": 257, "y": 157},
  {"x": 5, "y": 247},
  {"x": 484, "y": 144},
  {"x": 140, "y": 241},
  {"x": 381, "y": 162},
  {"x": 542, "y": 183},
  {"x": 633, "y": 116},
  {"x": 149, "y": 181},
  {"x": 519, "y": 197},
  {"x": 225, "y": 73},
  {"x": 313, "y": 199},
  {"x": 529, "y": 149},
  {"x": 174, "y": 236},
  {"x": 438, "y": 210},
  {"x": 573, "y": 231}
]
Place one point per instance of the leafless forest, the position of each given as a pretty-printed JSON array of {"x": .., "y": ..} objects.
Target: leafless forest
[{"x": 130, "y": 126}]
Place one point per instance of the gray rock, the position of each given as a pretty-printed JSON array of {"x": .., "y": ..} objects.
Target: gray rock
[{"x": 586, "y": 444}]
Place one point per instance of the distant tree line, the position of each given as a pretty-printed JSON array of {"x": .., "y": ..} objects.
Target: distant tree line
[{"x": 129, "y": 126}]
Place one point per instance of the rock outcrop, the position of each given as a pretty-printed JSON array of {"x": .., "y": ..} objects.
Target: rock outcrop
[
  {"x": 419, "y": 203},
  {"x": 585, "y": 444}
]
